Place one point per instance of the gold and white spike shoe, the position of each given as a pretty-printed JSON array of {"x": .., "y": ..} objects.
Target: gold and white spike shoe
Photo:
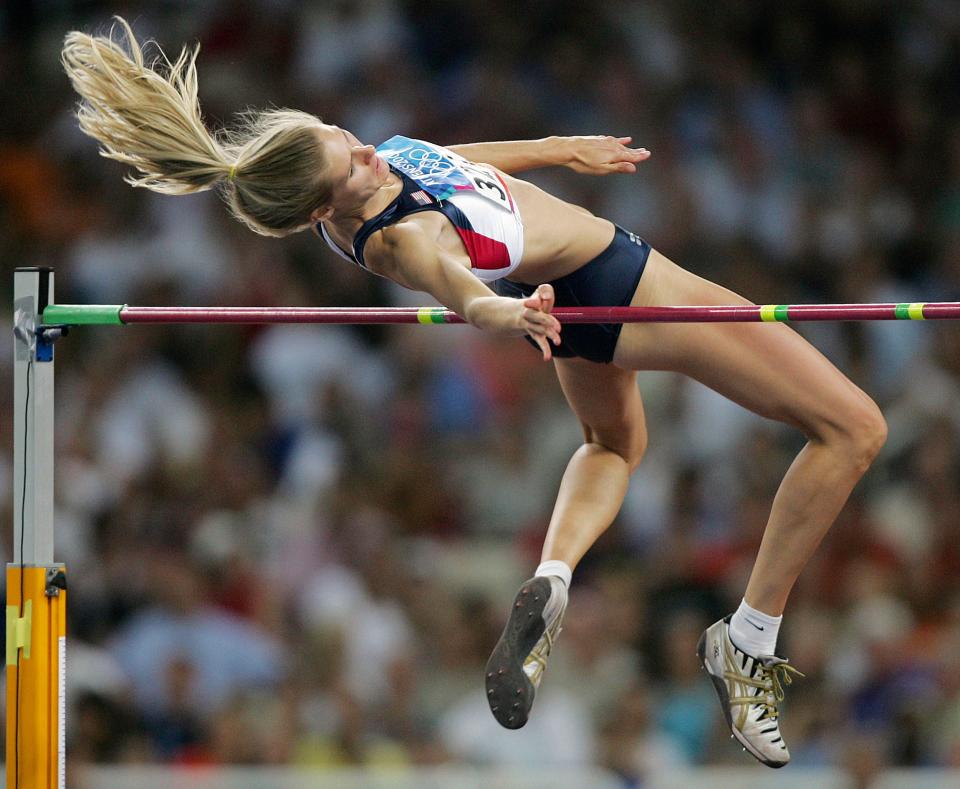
[
  {"x": 750, "y": 690},
  {"x": 519, "y": 659}
]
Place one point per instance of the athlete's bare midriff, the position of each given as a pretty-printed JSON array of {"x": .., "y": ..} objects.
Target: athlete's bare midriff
[{"x": 558, "y": 237}]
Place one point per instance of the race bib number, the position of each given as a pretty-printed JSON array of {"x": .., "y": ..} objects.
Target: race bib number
[{"x": 443, "y": 173}]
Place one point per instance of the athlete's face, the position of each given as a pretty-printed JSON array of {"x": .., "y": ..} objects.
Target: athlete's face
[{"x": 356, "y": 172}]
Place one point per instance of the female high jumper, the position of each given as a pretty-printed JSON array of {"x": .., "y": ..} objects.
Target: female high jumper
[{"x": 455, "y": 223}]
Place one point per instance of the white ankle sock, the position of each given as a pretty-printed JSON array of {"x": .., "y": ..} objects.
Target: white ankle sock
[
  {"x": 754, "y": 632},
  {"x": 555, "y": 567}
]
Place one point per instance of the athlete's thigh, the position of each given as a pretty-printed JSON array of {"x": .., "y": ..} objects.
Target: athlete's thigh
[
  {"x": 606, "y": 400},
  {"x": 766, "y": 367}
]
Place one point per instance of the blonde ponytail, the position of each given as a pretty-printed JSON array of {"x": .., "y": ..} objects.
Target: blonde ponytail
[
  {"x": 143, "y": 118},
  {"x": 272, "y": 167}
]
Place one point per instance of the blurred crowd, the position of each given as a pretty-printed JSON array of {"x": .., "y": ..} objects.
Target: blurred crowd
[{"x": 297, "y": 545}]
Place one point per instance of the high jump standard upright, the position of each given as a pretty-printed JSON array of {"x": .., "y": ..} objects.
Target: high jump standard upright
[{"x": 36, "y": 586}]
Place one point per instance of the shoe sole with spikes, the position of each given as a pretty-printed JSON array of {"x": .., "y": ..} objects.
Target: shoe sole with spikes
[{"x": 509, "y": 691}]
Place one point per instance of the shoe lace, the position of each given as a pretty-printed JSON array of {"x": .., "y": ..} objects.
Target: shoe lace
[
  {"x": 536, "y": 662},
  {"x": 771, "y": 679}
]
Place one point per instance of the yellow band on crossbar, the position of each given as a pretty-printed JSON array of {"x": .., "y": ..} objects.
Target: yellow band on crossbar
[
  {"x": 430, "y": 315},
  {"x": 915, "y": 311}
]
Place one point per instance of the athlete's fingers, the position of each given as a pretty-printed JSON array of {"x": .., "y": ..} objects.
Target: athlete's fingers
[
  {"x": 532, "y": 307},
  {"x": 541, "y": 299},
  {"x": 541, "y": 325},
  {"x": 541, "y": 318},
  {"x": 545, "y": 292},
  {"x": 544, "y": 346},
  {"x": 543, "y": 321}
]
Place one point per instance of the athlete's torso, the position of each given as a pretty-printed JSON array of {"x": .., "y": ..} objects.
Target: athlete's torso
[{"x": 494, "y": 224}]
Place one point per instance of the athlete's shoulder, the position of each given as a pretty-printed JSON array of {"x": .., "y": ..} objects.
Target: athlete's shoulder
[
  {"x": 397, "y": 237},
  {"x": 395, "y": 243}
]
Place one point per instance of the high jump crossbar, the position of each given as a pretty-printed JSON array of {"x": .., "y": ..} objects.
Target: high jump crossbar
[
  {"x": 36, "y": 585},
  {"x": 102, "y": 315}
]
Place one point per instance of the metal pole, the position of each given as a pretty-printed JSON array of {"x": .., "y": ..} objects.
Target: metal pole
[
  {"x": 36, "y": 587},
  {"x": 33, "y": 421}
]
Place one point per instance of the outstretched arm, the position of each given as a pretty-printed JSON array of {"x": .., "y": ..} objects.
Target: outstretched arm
[
  {"x": 594, "y": 154},
  {"x": 405, "y": 254}
]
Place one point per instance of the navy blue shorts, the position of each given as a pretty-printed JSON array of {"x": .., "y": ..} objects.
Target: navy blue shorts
[{"x": 609, "y": 280}]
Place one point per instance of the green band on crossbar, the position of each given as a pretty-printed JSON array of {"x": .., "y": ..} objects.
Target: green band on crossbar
[
  {"x": 83, "y": 314},
  {"x": 910, "y": 312},
  {"x": 429, "y": 315},
  {"x": 774, "y": 312}
]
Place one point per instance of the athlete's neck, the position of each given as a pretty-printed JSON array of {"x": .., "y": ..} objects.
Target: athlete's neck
[{"x": 349, "y": 222}]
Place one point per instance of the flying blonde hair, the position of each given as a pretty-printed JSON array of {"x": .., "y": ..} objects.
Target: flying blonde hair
[{"x": 270, "y": 168}]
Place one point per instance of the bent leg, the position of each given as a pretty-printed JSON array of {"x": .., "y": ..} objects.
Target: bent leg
[
  {"x": 607, "y": 402},
  {"x": 774, "y": 372}
]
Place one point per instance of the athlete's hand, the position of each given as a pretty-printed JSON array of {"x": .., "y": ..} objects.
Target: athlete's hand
[
  {"x": 509, "y": 316},
  {"x": 602, "y": 155},
  {"x": 537, "y": 320}
]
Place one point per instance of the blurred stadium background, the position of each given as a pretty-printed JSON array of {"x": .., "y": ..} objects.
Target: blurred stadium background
[{"x": 292, "y": 548}]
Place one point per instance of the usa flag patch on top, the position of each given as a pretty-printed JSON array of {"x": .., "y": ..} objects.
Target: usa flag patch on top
[{"x": 421, "y": 197}]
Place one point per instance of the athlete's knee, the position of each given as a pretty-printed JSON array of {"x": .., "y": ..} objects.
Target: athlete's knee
[
  {"x": 863, "y": 432},
  {"x": 630, "y": 444},
  {"x": 871, "y": 429},
  {"x": 638, "y": 448}
]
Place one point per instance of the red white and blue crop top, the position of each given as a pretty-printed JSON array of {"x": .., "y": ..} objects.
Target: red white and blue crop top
[{"x": 472, "y": 196}]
